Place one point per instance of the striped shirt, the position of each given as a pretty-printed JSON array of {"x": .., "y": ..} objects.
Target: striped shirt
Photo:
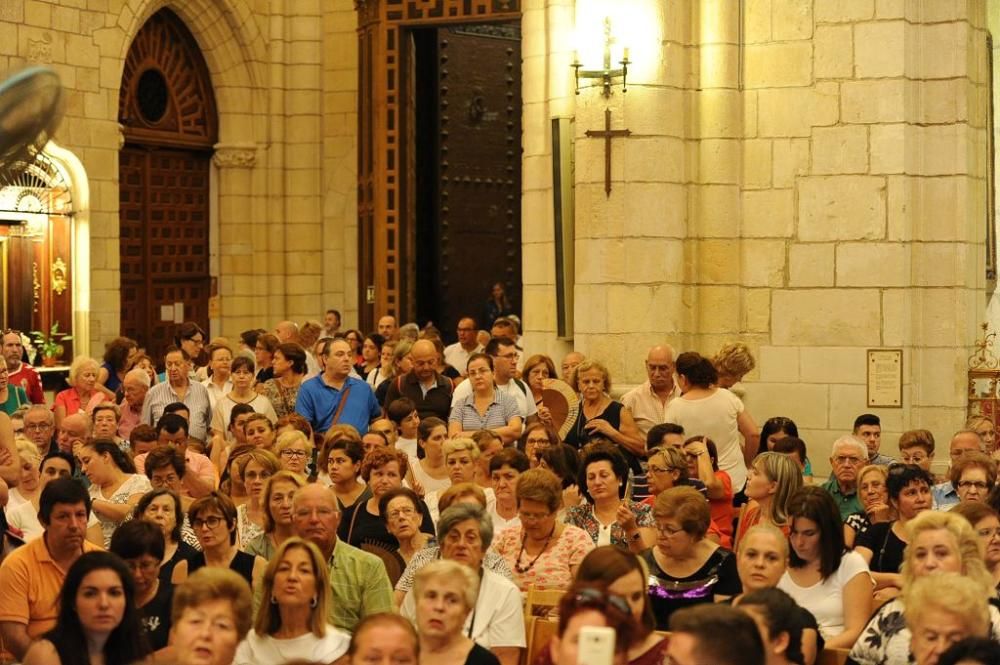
[
  {"x": 196, "y": 399},
  {"x": 498, "y": 414}
]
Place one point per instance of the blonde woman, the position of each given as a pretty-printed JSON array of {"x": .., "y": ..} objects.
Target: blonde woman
[
  {"x": 294, "y": 451},
  {"x": 277, "y": 501},
  {"x": 946, "y": 606},
  {"x": 987, "y": 431},
  {"x": 291, "y": 622},
  {"x": 255, "y": 468},
  {"x": 771, "y": 480},
  {"x": 460, "y": 457},
  {"x": 83, "y": 392},
  {"x": 28, "y": 489},
  {"x": 939, "y": 543}
]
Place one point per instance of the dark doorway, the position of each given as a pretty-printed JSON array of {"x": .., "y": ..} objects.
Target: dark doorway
[{"x": 467, "y": 181}]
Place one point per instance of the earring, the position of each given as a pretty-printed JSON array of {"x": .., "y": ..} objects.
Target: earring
[
  {"x": 274, "y": 601},
  {"x": 314, "y": 602}
]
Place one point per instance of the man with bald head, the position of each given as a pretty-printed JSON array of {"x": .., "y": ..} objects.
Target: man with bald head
[
  {"x": 358, "y": 579},
  {"x": 135, "y": 385},
  {"x": 429, "y": 390},
  {"x": 387, "y": 327},
  {"x": 649, "y": 401},
  {"x": 287, "y": 331},
  {"x": 74, "y": 431},
  {"x": 569, "y": 364},
  {"x": 963, "y": 442}
]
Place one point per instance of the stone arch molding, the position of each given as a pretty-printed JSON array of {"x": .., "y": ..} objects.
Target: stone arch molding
[{"x": 234, "y": 50}]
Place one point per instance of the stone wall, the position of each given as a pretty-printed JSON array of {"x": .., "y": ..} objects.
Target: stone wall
[
  {"x": 284, "y": 178},
  {"x": 808, "y": 177}
]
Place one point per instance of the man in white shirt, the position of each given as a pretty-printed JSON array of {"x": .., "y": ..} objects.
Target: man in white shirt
[
  {"x": 648, "y": 402},
  {"x": 457, "y": 354},
  {"x": 504, "y": 354}
]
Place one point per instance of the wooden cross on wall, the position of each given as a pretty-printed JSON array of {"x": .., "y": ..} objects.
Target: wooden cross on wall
[{"x": 607, "y": 134}]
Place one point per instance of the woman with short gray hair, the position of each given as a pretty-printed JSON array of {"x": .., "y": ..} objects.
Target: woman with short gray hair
[{"x": 465, "y": 532}]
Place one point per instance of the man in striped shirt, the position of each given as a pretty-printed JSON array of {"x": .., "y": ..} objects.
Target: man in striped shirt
[{"x": 179, "y": 388}]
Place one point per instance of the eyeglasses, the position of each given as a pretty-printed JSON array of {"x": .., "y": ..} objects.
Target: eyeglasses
[
  {"x": 596, "y": 598},
  {"x": 142, "y": 566},
  {"x": 479, "y": 372},
  {"x": 988, "y": 533},
  {"x": 37, "y": 427},
  {"x": 401, "y": 512},
  {"x": 288, "y": 452},
  {"x": 972, "y": 484},
  {"x": 668, "y": 530},
  {"x": 210, "y": 522},
  {"x": 847, "y": 459}
]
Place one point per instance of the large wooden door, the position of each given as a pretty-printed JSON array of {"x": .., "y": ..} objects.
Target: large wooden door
[
  {"x": 468, "y": 173},
  {"x": 168, "y": 110}
]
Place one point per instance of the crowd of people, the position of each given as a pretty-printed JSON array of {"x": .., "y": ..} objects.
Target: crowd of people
[{"x": 309, "y": 494}]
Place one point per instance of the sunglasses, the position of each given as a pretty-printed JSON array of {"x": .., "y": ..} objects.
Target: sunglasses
[{"x": 597, "y": 598}]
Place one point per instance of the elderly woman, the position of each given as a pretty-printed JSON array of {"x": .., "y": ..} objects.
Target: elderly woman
[
  {"x": 942, "y": 610},
  {"x": 254, "y": 468},
  {"x": 685, "y": 567},
  {"x": 986, "y": 522},
  {"x": 939, "y": 543},
  {"x": 445, "y": 594},
  {"x": 403, "y": 512},
  {"x": 211, "y": 615},
  {"x": 292, "y": 624},
  {"x": 536, "y": 371},
  {"x": 83, "y": 392},
  {"x": 213, "y": 519},
  {"x": 487, "y": 407},
  {"x": 536, "y": 438},
  {"x": 289, "y": 366},
  {"x": 497, "y": 619},
  {"x": 294, "y": 451},
  {"x": 707, "y": 410},
  {"x": 607, "y": 516},
  {"x": 833, "y": 585},
  {"x": 141, "y": 545},
  {"x": 874, "y": 494},
  {"x": 602, "y": 417},
  {"x": 220, "y": 361},
  {"x": 543, "y": 553},
  {"x": 162, "y": 507},
  {"x": 277, "y": 502},
  {"x": 24, "y": 517},
  {"x": 667, "y": 467},
  {"x": 761, "y": 560},
  {"x": 115, "y": 488},
  {"x": 771, "y": 480},
  {"x": 362, "y": 524},
  {"x": 973, "y": 476},
  {"x": 28, "y": 489},
  {"x": 504, "y": 470},
  {"x": 119, "y": 355},
  {"x": 460, "y": 457},
  {"x": 881, "y": 545}
]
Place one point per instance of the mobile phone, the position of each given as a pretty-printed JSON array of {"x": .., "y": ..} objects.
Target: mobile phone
[{"x": 597, "y": 646}]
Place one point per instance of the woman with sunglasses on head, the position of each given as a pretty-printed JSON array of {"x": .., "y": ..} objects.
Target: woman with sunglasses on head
[
  {"x": 589, "y": 605},
  {"x": 98, "y": 623}
]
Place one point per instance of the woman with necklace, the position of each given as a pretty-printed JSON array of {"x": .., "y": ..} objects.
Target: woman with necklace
[
  {"x": 115, "y": 487},
  {"x": 291, "y": 624},
  {"x": 542, "y": 552},
  {"x": 606, "y": 516},
  {"x": 213, "y": 519},
  {"x": 289, "y": 365}
]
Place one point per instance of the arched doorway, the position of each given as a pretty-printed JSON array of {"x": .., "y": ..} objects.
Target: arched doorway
[{"x": 168, "y": 112}]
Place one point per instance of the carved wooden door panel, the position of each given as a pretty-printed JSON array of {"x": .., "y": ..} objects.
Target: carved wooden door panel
[
  {"x": 473, "y": 227},
  {"x": 164, "y": 241}
]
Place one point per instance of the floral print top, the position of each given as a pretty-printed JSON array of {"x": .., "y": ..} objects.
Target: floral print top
[
  {"x": 553, "y": 568},
  {"x": 584, "y": 518}
]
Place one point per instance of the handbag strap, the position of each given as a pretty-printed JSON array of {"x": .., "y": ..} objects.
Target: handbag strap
[{"x": 341, "y": 405}]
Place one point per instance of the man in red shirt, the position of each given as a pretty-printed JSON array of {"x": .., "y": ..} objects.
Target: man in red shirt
[{"x": 20, "y": 373}]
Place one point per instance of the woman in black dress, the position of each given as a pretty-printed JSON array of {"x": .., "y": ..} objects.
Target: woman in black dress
[{"x": 213, "y": 518}]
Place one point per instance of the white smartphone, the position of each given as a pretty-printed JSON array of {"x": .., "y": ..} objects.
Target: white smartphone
[{"x": 597, "y": 646}]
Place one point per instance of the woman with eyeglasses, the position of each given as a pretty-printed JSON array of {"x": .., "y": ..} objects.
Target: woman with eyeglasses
[
  {"x": 542, "y": 552},
  {"x": 140, "y": 544},
  {"x": 279, "y": 491},
  {"x": 986, "y": 522},
  {"x": 536, "y": 438},
  {"x": 263, "y": 353},
  {"x": 881, "y": 545},
  {"x": 461, "y": 457},
  {"x": 771, "y": 480},
  {"x": 874, "y": 495},
  {"x": 940, "y": 542},
  {"x": 403, "y": 512},
  {"x": 254, "y": 468},
  {"x": 486, "y": 407},
  {"x": 294, "y": 452},
  {"x": 973, "y": 476},
  {"x": 685, "y": 567},
  {"x": 834, "y": 585},
  {"x": 213, "y": 519},
  {"x": 536, "y": 371}
]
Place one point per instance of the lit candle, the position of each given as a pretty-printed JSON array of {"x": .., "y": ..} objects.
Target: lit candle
[{"x": 625, "y": 56}]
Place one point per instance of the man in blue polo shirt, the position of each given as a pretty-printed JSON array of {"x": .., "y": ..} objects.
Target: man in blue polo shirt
[{"x": 335, "y": 397}]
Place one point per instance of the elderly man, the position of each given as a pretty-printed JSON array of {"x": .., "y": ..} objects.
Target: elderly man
[
  {"x": 457, "y": 354},
  {"x": 179, "y": 388},
  {"x": 74, "y": 431},
  {"x": 40, "y": 427},
  {"x": 963, "y": 442},
  {"x": 387, "y": 327},
  {"x": 569, "y": 365},
  {"x": 135, "y": 385},
  {"x": 868, "y": 428},
  {"x": 429, "y": 390},
  {"x": 848, "y": 456},
  {"x": 32, "y": 576},
  {"x": 504, "y": 354},
  {"x": 336, "y": 397},
  {"x": 19, "y": 373},
  {"x": 358, "y": 579},
  {"x": 648, "y": 402},
  {"x": 287, "y": 331}
]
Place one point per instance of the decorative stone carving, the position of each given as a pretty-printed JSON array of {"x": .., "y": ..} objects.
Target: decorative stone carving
[
  {"x": 40, "y": 50},
  {"x": 235, "y": 157}
]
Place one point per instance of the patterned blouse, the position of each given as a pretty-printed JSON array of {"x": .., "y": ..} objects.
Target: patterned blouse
[
  {"x": 246, "y": 530},
  {"x": 584, "y": 518},
  {"x": 281, "y": 398},
  {"x": 553, "y": 568}
]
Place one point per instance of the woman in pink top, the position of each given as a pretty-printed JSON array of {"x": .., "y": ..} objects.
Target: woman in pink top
[{"x": 83, "y": 393}]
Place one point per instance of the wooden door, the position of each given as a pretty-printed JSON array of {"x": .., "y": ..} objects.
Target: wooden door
[
  {"x": 168, "y": 110},
  {"x": 468, "y": 173}
]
